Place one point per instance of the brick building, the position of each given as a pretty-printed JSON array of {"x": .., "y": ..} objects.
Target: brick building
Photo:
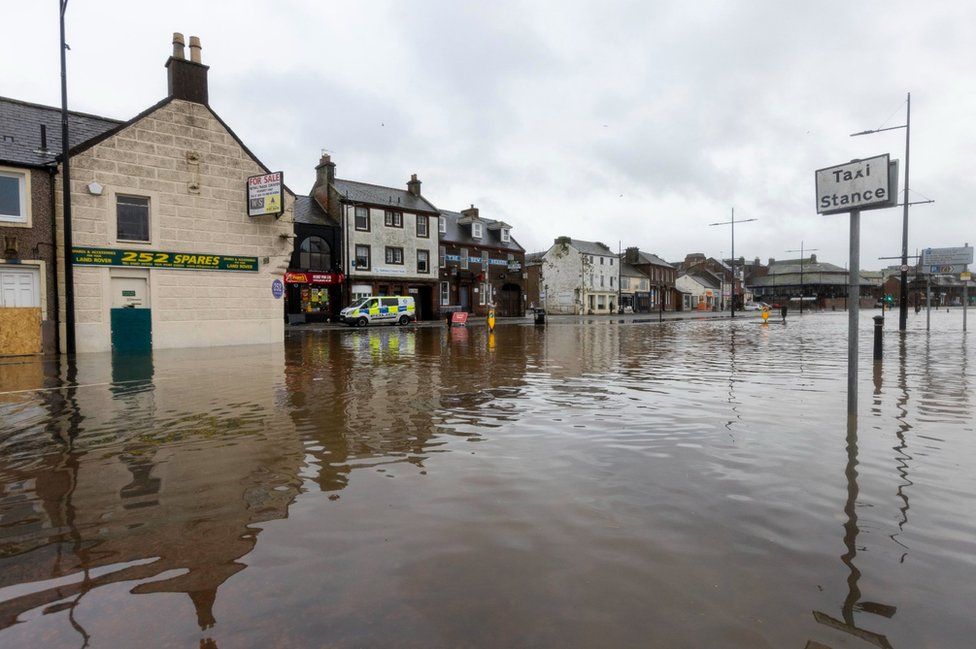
[
  {"x": 480, "y": 264},
  {"x": 165, "y": 253},
  {"x": 30, "y": 138}
]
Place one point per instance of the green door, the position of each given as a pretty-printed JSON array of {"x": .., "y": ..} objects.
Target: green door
[{"x": 131, "y": 330}]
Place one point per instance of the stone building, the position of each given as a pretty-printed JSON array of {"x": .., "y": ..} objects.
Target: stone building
[
  {"x": 389, "y": 237},
  {"x": 165, "y": 253},
  {"x": 480, "y": 264},
  {"x": 30, "y": 138},
  {"x": 578, "y": 277}
]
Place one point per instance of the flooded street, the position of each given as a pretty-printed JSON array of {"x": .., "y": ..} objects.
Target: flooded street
[{"x": 686, "y": 484}]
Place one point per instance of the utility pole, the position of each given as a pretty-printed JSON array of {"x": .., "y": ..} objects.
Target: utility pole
[
  {"x": 903, "y": 298},
  {"x": 69, "y": 280},
  {"x": 801, "y": 271},
  {"x": 732, "y": 223}
]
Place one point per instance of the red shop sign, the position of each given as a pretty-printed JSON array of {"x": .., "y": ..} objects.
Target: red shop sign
[{"x": 314, "y": 278}]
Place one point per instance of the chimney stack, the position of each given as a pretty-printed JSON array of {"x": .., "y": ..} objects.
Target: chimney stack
[
  {"x": 187, "y": 79},
  {"x": 324, "y": 177},
  {"x": 631, "y": 255},
  {"x": 413, "y": 185},
  {"x": 195, "y": 49},
  {"x": 470, "y": 212}
]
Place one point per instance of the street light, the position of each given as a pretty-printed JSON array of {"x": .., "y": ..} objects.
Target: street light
[
  {"x": 69, "y": 282},
  {"x": 732, "y": 223},
  {"x": 801, "y": 271},
  {"x": 903, "y": 298}
]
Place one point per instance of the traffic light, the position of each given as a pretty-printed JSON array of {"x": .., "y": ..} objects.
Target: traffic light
[{"x": 889, "y": 299}]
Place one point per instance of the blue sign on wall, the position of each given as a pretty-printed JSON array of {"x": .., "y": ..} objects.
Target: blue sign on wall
[{"x": 277, "y": 289}]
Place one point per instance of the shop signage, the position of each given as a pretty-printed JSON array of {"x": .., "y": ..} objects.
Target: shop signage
[
  {"x": 155, "y": 259},
  {"x": 861, "y": 185},
  {"x": 314, "y": 278},
  {"x": 266, "y": 194},
  {"x": 277, "y": 289},
  {"x": 947, "y": 256}
]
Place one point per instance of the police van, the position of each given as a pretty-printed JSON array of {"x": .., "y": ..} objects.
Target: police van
[{"x": 399, "y": 310}]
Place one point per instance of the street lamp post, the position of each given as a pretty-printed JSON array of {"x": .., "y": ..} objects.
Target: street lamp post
[
  {"x": 903, "y": 298},
  {"x": 69, "y": 284},
  {"x": 801, "y": 271},
  {"x": 732, "y": 224}
]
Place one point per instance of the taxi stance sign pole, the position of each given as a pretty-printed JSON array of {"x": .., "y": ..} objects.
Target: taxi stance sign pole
[{"x": 860, "y": 184}]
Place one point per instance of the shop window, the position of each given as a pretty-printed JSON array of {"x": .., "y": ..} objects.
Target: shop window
[
  {"x": 442, "y": 256},
  {"x": 315, "y": 254},
  {"x": 394, "y": 255},
  {"x": 600, "y": 302},
  {"x": 445, "y": 293},
  {"x": 423, "y": 261},
  {"x": 314, "y": 299},
  {"x": 423, "y": 226},
  {"x": 362, "y": 257},
  {"x": 464, "y": 258},
  {"x": 132, "y": 218},
  {"x": 362, "y": 219},
  {"x": 393, "y": 219},
  {"x": 14, "y": 204}
]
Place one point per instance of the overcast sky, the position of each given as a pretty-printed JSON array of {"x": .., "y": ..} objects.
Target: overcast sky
[{"x": 639, "y": 122}]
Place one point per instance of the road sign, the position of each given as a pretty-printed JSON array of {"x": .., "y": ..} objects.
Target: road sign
[
  {"x": 965, "y": 276},
  {"x": 944, "y": 269},
  {"x": 904, "y": 268},
  {"x": 947, "y": 256},
  {"x": 865, "y": 184}
]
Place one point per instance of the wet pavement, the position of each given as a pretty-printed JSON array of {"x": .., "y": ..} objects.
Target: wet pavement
[{"x": 685, "y": 484}]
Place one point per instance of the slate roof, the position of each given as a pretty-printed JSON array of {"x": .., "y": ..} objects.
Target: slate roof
[
  {"x": 591, "y": 248},
  {"x": 627, "y": 270},
  {"x": 810, "y": 278},
  {"x": 308, "y": 211},
  {"x": 461, "y": 234},
  {"x": 534, "y": 257},
  {"x": 20, "y": 131},
  {"x": 648, "y": 258},
  {"x": 378, "y": 195}
]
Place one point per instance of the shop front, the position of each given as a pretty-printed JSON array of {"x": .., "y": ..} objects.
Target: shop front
[{"x": 312, "y": 297}]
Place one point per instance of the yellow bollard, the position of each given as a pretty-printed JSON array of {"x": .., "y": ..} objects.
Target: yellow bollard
[
  {"x": 491, "y": 319},
  {"x": 765, "y": 316}
]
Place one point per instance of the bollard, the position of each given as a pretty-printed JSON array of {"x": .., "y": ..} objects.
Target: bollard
[{"x": 878, "y": 333}]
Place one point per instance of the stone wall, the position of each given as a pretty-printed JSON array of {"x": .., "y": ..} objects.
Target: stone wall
[{"x": 194, "y": 172}]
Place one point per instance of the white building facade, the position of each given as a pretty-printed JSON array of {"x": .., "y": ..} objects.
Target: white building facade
[{"x": 579, "y": 278}]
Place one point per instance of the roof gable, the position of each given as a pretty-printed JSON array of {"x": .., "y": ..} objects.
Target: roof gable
[{"x": 20, "y": 131}]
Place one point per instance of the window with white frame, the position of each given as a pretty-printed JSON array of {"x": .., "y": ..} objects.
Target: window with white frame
[
  {"x": 393, "y": 219},
  {"x": 362, "y": 257},
  {"x": 506, "y": 235},
  {"x": 423, "y": 261},
  {"x": 14, "y": 199},
  {"x": 442, "y": 256},
  {"x": 484, "y": 261},
  {"x": 601, "y": 281},
  {"x": 483, "y": 294},
  {"x": 464, "y": 258},
  {"x": 442, "y": 225},
  {"x": 477, "y": 229},
  {"x": 394, "y": 255},
  {"x": 132, "y": 218},
  {"x": 362, "y": 219},
  {"x": 423, "y": 227},
  {"x": 445, "y": 293}
]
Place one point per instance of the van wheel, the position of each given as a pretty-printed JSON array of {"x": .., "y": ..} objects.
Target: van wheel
[
  {"x": 362, "y": 322},
  {"x": 404, "y": 320}
]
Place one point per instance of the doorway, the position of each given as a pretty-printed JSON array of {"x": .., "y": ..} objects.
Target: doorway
[{"x": 131, "y": 317}]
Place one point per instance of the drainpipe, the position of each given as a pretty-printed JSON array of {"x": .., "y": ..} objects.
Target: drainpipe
[{"x": 52, "y": 172}]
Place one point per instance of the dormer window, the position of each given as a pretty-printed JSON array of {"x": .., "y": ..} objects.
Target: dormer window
[
  {"x": 477, "y": 229},
  {"x": 506, "y": 237},
  {"x": 442, "y": 225}
]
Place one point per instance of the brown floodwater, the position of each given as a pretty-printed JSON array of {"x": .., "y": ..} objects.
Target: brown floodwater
[{"x": 686, "y": 484}]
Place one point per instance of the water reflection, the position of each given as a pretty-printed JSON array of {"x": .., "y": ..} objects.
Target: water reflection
[{"x": 681, "y": 484}]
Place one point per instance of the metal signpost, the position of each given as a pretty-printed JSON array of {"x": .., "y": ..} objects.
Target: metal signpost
[
  {"x": 852, "y": 187},
  {"x": 732, "y": 223},
  {"x": 946, "y": 261}
]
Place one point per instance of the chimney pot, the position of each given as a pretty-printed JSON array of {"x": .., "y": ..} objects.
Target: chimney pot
[
  {"x": 413, "y": 185},
  {"x": 195, "y": 49},
  {"x": 178, "y": 51}
]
